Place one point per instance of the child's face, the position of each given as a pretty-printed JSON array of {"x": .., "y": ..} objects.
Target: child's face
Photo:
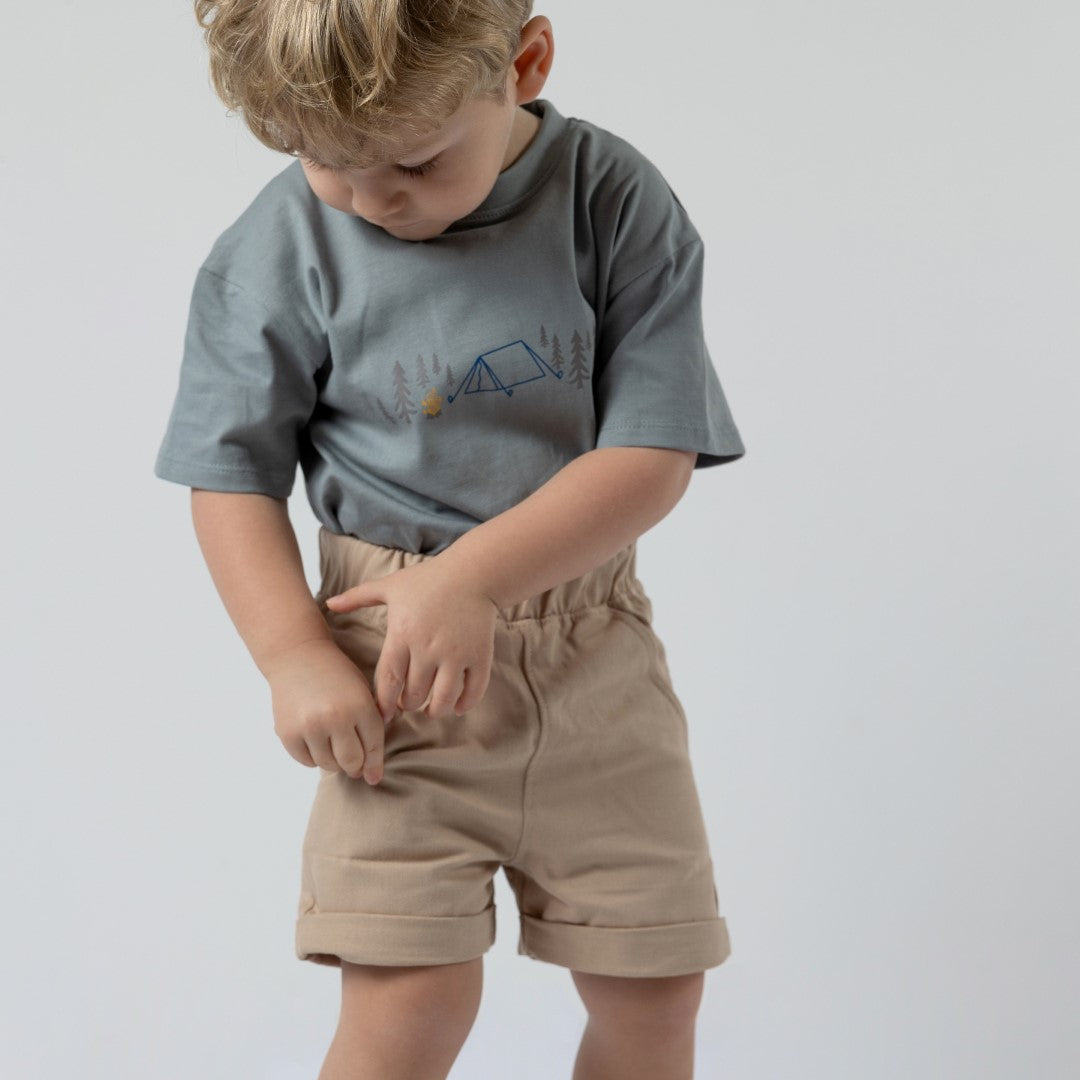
[{"x": 458, "y": 166}]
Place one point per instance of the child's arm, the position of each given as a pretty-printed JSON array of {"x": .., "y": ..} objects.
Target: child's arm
[
  {"x": 588, "y": 511},
  {"x": 324, "y": 712},
  {"x": 441, "y": 613},
  {"x": 251, "y": 551}
]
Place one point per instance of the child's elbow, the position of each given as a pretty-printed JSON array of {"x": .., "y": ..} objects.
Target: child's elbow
[{"x": 687, "y": 460}]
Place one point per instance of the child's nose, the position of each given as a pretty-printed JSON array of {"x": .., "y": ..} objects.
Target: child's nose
[{"x": 378, "y": 203}]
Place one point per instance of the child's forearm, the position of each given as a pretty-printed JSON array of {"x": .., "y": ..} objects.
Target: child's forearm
[
  {"x": 588, "y": 511},
  {"x": 250, "y": 548}
]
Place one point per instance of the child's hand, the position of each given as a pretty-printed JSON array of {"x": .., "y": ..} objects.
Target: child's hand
[
  {"x": 320, "y": 699},
  {"x": 440, "y": 639}
]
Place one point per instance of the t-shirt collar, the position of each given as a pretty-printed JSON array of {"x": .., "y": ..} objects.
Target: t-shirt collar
[{"x": 527, "y": 173}]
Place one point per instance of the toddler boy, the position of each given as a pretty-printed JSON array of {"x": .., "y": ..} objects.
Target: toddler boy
[{"x": 476, "y": 326}]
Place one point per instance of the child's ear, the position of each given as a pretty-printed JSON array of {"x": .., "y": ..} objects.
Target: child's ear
[{"x": 532, "y": 64}]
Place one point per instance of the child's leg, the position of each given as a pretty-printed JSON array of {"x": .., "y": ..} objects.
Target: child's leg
[
  {"x": 639, "y": 1028},
  {"x": 403, "y": 1023}
]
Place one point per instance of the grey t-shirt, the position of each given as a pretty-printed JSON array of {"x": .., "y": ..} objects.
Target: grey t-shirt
[{"x": 424, "y": 387}]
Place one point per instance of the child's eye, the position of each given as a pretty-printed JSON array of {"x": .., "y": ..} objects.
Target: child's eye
[
  {"x": 409, "y": 170},
  {"x": 418, "y": 170}
]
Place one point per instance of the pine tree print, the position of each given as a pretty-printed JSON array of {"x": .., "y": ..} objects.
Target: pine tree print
[
  {"x": 449, "y": 380},
  {"x": 421, "y": 372},
  {"x": 383, "y": 410},
  {"x": 578, "y": 370},
  {"x": 435, "y": 363},
  {"x": 402, "y": 402},
  {"x": 543, "y": 337},
  {"x": 556, "y": 353}
]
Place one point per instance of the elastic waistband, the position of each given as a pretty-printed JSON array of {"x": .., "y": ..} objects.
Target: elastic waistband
[{"x": 345, "y": 560}]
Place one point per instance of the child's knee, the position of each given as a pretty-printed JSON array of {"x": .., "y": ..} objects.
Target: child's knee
[
  {"x": 400, "y": 1023},
  {"x": 428, "y": 997},
  {"x": 665, "y": 1001}
]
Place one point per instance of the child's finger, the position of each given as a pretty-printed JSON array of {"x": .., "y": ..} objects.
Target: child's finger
[
  {"x": 317, "y": 750},
  {"x": 449, "y": 681},
  {"x": 366, "y": 594},
  {"x": 352, "y": 752},
  {"x": 476, "y": 683},
  {"x": 390, "y": 673},
  {"x": 417, "y": 686}
]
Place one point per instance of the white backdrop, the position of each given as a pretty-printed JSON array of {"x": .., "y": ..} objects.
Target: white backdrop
[{"x": 873, "y": 619}]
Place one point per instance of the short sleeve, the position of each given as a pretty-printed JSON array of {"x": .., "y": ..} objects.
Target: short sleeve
[
  {"x": 247, "y": 388},
  {"x": 656, "y": 383}
]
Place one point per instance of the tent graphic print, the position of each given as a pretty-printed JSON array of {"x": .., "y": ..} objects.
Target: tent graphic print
[{"x": 503, "y": 369}]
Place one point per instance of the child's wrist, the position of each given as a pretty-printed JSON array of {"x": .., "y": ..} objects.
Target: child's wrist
[
  {"x": 467, "y": 573},
  {"x": 268, "y": 661}
]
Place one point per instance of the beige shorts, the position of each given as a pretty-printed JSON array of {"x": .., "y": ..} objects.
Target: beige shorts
[{"x": 572, "y": 774}]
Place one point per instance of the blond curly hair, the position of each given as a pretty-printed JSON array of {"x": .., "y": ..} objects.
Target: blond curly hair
[{"x": 351, "y": 81}]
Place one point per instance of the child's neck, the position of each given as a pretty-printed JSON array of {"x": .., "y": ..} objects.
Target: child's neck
[{"x": 526, "y": 125}]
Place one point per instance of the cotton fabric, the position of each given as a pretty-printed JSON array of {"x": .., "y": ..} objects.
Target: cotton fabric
[
  {"x": 572, "y": 775},
  {"x": 425, "y": 387}
]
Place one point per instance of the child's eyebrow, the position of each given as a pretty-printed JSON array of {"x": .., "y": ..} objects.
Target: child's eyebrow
[
  {"x": 416, "y": 165},
  {"x": 404, "y": 163},
  {"x": 400, "y": 164},
  {"x": 441, "y": 146}
]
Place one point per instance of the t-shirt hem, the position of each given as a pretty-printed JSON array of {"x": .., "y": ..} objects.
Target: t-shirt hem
[
  {"x": 217, "y": 477},
  {"x": 710, "y": 450}
]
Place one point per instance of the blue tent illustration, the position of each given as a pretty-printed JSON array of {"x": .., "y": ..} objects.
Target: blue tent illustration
[{"x": 503, "y": 369}]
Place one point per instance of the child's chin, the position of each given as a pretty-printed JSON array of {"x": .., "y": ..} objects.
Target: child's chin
[{"x": 419, "y": 230}]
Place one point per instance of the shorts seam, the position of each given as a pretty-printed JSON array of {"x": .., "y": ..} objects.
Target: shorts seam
[
  {"x": 526, "y": 674},
  {"x": 656, "y": 673}
]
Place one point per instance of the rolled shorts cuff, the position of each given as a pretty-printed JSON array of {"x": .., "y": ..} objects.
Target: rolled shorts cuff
[
  {"x": 636, "y": 951},
  {"x": 328, "y": 937}
]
